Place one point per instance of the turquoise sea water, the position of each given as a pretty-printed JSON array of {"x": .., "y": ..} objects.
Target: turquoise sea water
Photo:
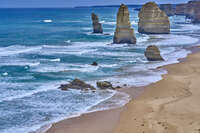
[{"x": 42, "y": 48}]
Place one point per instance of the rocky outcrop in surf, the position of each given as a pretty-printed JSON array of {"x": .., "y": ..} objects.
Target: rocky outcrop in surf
[
  {"x": 152, "y": 53},
  {"x": 168, "y": 9},
  {"x": 77, "y": 84},
  {"x": 94, "y": 63},
  {"x": 152, "y": 20},
  {"x": 104, "y": 85},
  {"x": 124, "y": 33},
  {"x": 97, "y": 27}
]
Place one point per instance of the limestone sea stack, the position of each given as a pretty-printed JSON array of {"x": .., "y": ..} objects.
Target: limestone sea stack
[
  {"x": 97, "y": 27},
  {"x": 124, "y": 33},
  {"x": 152, "y": 20},
  {"x": 152, "y": 53},
  {"x": 168, "y": 9}
]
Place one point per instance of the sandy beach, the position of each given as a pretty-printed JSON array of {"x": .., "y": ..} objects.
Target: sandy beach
[{"x": 170, "y": 105}]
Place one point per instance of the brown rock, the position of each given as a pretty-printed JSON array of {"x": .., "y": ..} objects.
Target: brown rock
[
  {"x": 76, "y": 84},
  {"x": 104, "y": 85},
  {"x": 152, "y": 20},
  {"x": 196, "y": 18},
  {"x": 193, "y": 11},
  {"x": 97, "y": 27},
  {"x": 189, "y": 10},
  {"x": 152, "y": 53},
  {"x": 168, "y": 9},
  {"x": 94, "y": 64},
  {"x": 180, "y": 9},
  {"x": 124, "y": 33}
]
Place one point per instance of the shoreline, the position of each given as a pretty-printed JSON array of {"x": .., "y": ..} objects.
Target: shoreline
[
  {"x": 76, "y": 124},
  {"x": 170, "y": 105}
]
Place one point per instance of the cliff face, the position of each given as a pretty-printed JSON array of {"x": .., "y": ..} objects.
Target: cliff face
[
  {"x": 124, "y": 33},
  {"x": 152, "y": 20},
  {"x": 192, "y": 11},
  {"x": 196, "y": 17},
  {"x": 180, "y": 9},
  {"x": 168, "y": 9},
  {"x": 97, "y": 27}
]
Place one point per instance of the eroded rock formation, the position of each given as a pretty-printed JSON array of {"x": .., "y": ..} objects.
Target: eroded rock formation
[
  {"x": 196, "y": 17},
  {"x": 152, "y": 20},
  {"x": 124, "y": 33},
  {"x": 193, "y": 11},
  {"x": 76, "y": 84},
  {"x": 152, "y": 53},
  {"x": 180, "y": 9},
  {"x": 97, "y": 27},
  {"x": 104, "y": 85}
]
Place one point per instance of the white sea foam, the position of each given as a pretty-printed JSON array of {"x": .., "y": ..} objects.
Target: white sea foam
[
  {"x": 61, "y": 67},
  {"x": 109, "y": 23},
  {"x": 68, "y": 41},
  {"x": 108, "y": 65},
  {"x": 134, "y": 23},
  {"x": 68, "y": 50},
  {"x": 5, "y": 74},
  {"x": 19, "y": 62},
  {"x": 142, "y": 39},
  {"x": 17, "y": 49},
  {"x": 137, "y": 79},
  {"x": 55, "y": 60},
  {"x": 170, "y": 40},
  {"x": 48, "y": 21},
  {"x": 34, "y": 64},
  {"x": 43, "y": 88}
]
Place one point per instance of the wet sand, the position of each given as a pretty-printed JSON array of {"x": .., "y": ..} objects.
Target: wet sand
[{"x": 168, "y": 106}]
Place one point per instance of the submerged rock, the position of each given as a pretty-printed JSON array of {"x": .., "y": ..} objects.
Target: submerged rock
[
  {"x": 152, "y": 53},
  {"x": 124, "y": 33},
  {"x": 168, "y": 9},
  {"x": 152, "y": 20},
  {"x": 77, "y": 84},
  {"x": 94, "y": 64},
  {"x": 104, "y": 85},
  {"x": 97, "y": 27}
]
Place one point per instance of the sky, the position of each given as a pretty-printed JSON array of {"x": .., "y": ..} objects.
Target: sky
[{"x": 72, "y": 3}]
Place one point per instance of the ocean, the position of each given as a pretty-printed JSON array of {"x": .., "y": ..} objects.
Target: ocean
[{"x": 43, "y": 48}]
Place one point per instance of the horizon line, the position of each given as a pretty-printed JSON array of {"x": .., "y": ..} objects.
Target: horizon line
[{"x": 86, "y": 6}]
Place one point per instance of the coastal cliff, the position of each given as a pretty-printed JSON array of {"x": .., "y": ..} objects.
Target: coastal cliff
[
  {"x": 152, "y": 20},
  {"x": 124, "y": 33},
  {"x": 180, "y": 9},
  {"x": 97, "y": 27},
  {"x": 193, "y": 11},
  {"x": 168, "y": 9}
]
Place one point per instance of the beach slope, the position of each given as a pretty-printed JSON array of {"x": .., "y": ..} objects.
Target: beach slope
[{"x": 168, "y": 106}]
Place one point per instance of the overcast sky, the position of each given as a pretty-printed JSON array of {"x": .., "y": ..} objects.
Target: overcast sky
[{"x": 72, "y": 3}]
